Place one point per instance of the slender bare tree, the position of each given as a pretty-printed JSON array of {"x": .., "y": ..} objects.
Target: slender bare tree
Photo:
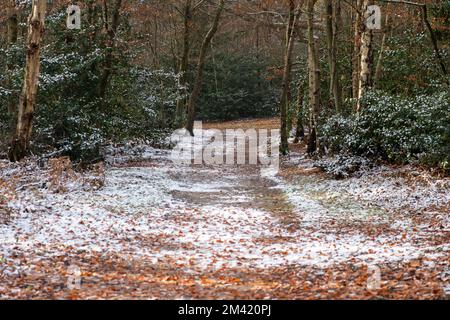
[
  {"x": 356, "y": 57},
  {"x": 181, "y": 102},
  {"x": 284, "y": 101},
  {"x": 111, "y": 29},
  {"x": 314, "y": 79},
  {"x": 332, "y": 12},
  {"x": 200, "y": 66}
]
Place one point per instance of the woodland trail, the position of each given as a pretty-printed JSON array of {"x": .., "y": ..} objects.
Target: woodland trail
[{"x": 160, "y": 231}]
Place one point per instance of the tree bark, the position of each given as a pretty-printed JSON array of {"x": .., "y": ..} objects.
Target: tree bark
[
  {"x": 200, "y": 66},
  {"x": 181, "y": 102},
  {"x": 365, "y": 79},
  {"x": 314, "y": 80},
  {"x": 332, "y": 14},
  {"x": 284, "y": 101},
  {"x": 356, "y": 64},
  {"x": 21, "y": 137}
]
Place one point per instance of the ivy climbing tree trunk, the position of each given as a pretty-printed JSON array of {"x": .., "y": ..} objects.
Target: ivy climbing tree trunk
[
  {"x": 24, "y": 126},
  {"x": 200, "y": 66}
]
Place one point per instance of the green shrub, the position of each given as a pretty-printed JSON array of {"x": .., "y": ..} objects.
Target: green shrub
[
  {"x": 396, "y": 129},
  {"x": 70, "y": 117}
]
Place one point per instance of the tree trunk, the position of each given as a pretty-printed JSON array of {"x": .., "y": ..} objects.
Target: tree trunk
[
  {"x": 21, "y": 137},
  {"x": 284, "y": 101},
  {"x": 356, "y": 64},
  {"x": 111, "y": 29},
  {"x": 365, "y": 82},
  {"x": 314, "y": 79},
  {"x": 181, "y": 102},
  {"x": 200, "y": 66},
  {"x": 332, "y": 14}
]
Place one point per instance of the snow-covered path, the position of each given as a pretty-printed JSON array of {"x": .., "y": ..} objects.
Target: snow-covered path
[{"x": 210, "y": 221}]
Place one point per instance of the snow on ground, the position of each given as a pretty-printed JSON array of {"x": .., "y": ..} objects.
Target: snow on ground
[
  {"x": 217, "y": 216},
  {"x": 404, "y": 188}
]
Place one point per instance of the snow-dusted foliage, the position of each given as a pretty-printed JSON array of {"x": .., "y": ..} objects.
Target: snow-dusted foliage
[
  {"x": 72, "y": 117},
  {"x": 342, "y": 166},
  {"x": 394, "y": 128}
]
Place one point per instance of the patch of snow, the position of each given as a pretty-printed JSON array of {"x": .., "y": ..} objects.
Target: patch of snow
[{"x": 137, "y": 214}]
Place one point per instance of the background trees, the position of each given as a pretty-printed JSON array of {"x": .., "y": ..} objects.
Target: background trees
[{"x": 132, "y": 71}]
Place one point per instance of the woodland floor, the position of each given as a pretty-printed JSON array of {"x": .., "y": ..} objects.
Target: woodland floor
[{"x": 160, "y": 231}]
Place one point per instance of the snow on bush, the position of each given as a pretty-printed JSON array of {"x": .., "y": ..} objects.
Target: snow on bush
[{"x": 394, "y": 128}]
